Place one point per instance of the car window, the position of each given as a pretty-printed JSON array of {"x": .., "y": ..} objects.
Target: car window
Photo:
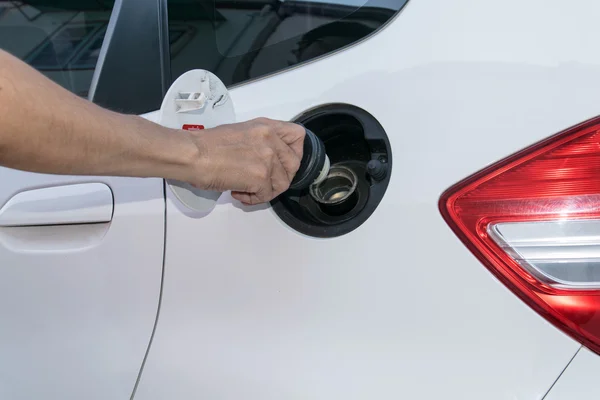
[
  {"x": 240, "y": 40},
  {"x": 60, "y": 38}
]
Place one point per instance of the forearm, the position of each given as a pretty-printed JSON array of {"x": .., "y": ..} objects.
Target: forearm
[{"x": 45, "y": 128}]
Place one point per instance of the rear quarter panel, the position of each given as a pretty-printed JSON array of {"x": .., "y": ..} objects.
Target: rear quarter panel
[{"x": 399, "y": 307}]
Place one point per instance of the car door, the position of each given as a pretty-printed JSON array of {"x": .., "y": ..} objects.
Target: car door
[
  {"x": 80, "y": 257},
  {"x": 265, "y": 303}
]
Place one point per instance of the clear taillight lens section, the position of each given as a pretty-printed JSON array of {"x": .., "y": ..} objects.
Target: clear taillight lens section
[
  {"x": 563, "y": 253},
  {"x": 534, "y": 220}
]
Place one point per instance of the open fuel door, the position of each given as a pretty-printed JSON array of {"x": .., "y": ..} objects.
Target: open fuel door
[{"x": 196, "y": 100}]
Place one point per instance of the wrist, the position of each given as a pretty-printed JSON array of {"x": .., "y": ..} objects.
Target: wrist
[
  {"x": 182, "y": 156},
  {"x": 170, "y": 154}
]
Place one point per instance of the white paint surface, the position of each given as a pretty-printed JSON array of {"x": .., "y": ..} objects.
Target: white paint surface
[
  {"x": 580, "y": 379},
  {"x": 59, "y": 205},
  {"x": 398, "y": 308},
  {"x": 78, "y": 302}
]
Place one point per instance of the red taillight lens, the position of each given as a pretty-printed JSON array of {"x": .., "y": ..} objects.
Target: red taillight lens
[{"x": 533, "y": 219}]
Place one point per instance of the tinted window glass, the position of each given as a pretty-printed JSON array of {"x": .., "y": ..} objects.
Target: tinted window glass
[
  {"x": 239, "y": 40},
  {"x": 60, "y": 38}
]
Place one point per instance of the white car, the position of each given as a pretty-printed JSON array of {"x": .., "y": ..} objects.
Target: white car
[{"x": 464, "y": 264}]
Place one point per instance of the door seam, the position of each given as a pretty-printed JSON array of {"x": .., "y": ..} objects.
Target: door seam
[
  {"x": 561, "y": 373},
  {"x": 160, "y": 295}
]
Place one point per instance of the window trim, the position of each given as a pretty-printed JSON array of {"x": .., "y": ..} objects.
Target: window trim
[{"x": 132, "y": 74}]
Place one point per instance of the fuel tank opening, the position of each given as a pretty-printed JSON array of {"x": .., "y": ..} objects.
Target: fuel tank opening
[
  {"x": 359, "y": 152},
  {"x": 336, "y": 194}
]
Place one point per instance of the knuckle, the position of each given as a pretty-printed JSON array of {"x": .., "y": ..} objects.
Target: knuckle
[
  {"x": 264, "y": 174},
  {"x": 260, "y": 132},
  {"x": 261, "y": 173},
  {"x": 262, "y": 120},
  {"x": 267, "y": 153},
  {"x": 263, "y": 127},
  {"x": 254, "y": 187}
]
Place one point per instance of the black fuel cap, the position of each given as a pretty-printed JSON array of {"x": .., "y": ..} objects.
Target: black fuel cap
[{"x": 312, "y": 163}]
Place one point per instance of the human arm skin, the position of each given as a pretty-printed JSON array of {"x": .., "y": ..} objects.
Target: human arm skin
[{"x": 45, "y": 128}]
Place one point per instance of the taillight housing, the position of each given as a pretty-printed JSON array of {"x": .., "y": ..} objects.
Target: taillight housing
[{"x": 533, "y": 219}]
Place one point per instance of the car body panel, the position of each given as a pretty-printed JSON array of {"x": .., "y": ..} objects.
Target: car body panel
[
  {"x": 579, "y": 380},
  {"x": 79, "y": 301},
  {"x": 398, "y": 307}
]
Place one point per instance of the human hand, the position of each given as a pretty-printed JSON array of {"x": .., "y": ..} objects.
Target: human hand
[{"x": 256, "y": 159}]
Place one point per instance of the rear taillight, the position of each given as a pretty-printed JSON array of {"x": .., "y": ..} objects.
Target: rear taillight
[{"x": 533, "y": 219}]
